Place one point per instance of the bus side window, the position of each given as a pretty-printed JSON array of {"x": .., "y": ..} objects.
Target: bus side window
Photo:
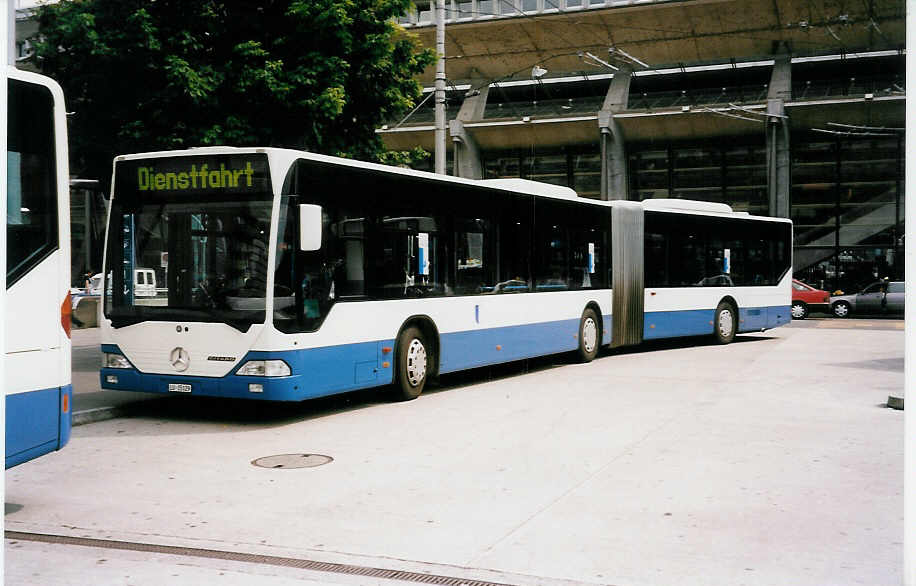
[
  {"x": 514, "y": 256},
  {"x": 406, "y": 257},
  {"x": 656, "y": 260},
  {"x": 692, "y": 266},
  {"x": 31, "y": 217},
  {"x": 587, "y": 260},
  {"x": 474, "y": 271},
  {"x": 350, "y": 254},
  {"x": 551, "y": 244}
]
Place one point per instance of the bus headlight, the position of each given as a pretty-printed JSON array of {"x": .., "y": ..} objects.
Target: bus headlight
[
  {"x": 115, "y": 361},
  {"x": 264, "y": 368}
]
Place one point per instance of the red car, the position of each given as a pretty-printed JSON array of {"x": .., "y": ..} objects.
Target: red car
[{"x": 806, "y": 298}]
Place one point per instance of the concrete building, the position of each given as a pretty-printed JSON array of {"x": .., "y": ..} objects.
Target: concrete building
[{"x": 775, "y": 107}]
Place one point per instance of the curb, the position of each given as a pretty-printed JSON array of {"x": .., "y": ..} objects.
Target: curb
[{"x": 97, "y": 414}]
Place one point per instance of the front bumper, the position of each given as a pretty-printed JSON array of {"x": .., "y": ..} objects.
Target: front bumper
[{"x": 287, "y": 388}]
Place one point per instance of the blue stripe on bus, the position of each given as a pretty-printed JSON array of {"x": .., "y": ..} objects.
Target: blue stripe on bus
[
  {"x": 672, "y": 324},
  {"x": 698, "y": 322},
  {"x": 473, "y": 348},
  {"x": 778, "y": 315},
  {"x": 36, "y": 423},
  {"x": 318, "y": 372}
]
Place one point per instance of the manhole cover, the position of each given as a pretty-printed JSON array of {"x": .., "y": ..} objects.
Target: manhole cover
[{"x": 292, "y": 461}]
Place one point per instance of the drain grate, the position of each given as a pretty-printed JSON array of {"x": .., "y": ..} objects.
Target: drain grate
[
  {"x": 254, "y": 559},
  {"x": 288, "y": 461}
]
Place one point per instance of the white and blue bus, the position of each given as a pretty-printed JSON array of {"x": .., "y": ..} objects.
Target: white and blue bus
[
  {"x": 287, "y": 275},
  {"x": 37, "y": 309}
]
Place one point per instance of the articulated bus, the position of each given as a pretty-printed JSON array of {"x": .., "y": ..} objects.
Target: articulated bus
[
  {"x": 37, "y": 311},
  {"x": 287, "y": 275}
]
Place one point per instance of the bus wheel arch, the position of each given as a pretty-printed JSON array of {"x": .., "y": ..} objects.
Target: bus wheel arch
[
  {"x": 725, "y": 320},
  {"x": 417, "y": 337}
]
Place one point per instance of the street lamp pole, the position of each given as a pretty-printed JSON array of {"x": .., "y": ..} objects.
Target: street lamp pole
[
  {"x": 11, "y": 32},
  {"x": 440, "y": 87}
]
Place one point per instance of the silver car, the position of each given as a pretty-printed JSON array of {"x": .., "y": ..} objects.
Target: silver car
[{"x": 879, "y": 297}]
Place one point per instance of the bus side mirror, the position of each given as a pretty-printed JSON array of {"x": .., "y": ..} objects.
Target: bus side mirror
[{"x": 309, "y": 227}]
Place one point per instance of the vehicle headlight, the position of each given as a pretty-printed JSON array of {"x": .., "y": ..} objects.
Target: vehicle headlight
[
  {"x": 115, "y": 361},
  {"x": 264, "y": 368}
]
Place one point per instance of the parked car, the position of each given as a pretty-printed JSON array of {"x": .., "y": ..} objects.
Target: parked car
[
  {"x": 806, "y": 298},
  {"x": 144, "y": 283},
  {"x": 879, "y": 297}
]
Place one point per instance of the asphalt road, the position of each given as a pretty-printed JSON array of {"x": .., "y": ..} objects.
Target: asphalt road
[{"x": 769, "y": 461}]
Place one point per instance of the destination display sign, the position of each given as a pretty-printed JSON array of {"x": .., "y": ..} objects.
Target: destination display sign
[{"x": 235, "y": 174}]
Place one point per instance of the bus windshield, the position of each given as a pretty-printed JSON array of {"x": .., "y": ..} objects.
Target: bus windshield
[{"x": 207, "y": 246}]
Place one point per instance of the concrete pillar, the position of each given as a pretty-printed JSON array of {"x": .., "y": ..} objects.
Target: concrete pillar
[
  {"x": 466, "y": 156},
  {"x": 779, "y": 177},
  {"x": 614, "y": 184}
]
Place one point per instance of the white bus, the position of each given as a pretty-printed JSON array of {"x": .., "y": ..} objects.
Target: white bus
[
  {"x": 37, "y": 311},
  {"x": 292, "y": 275}
]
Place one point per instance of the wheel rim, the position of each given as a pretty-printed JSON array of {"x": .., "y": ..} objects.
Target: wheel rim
[
  {"x": 725, "y": 323},
  {"x": 841, "y": 310},
  {"x": 589, "y": 334},
  {"x": 416, "y": 362},
  {"x": 798, "y": 311}
]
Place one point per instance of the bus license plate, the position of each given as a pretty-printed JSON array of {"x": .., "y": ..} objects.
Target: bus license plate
[{"x": 179, "y": 388}]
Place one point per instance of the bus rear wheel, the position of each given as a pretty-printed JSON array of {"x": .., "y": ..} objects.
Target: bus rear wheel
[
  {"x": 725, "y": 322},
  {"x": 413, "y": 363},
  {"x": 589, "y": 336}
]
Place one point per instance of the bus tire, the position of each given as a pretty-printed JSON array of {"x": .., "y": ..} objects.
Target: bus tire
[
  {"x": 725, "y": 323},
  {"x": 413, "y": 363},
  {"x": 589, "y": 335}
]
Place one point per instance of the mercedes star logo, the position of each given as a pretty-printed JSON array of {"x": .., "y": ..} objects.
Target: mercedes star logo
[{"x": 180, "y": 359}]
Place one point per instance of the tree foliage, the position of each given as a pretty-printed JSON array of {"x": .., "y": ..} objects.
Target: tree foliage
[{"x": 144, "y": 75}]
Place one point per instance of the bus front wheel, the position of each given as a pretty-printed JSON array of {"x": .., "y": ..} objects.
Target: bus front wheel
[
  {"x": 725, "y": 322},
  {"x": 589, "y": 336},
  {"x": 413, "y": 363}
]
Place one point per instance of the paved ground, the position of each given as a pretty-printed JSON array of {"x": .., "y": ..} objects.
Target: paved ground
[{"x": 769, "y": 461}]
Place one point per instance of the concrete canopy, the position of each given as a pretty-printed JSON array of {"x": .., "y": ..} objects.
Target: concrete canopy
[
  {"x": 663, "y": 125},
  {"x": 887, "y": 112},
  {"x": 664, "y": 34}
]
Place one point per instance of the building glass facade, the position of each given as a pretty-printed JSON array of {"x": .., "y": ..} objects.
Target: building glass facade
[
  {"x": 576, "y": 167},
  {"x": 848, "y": 209},
  {"x": 733, "y": 173}
]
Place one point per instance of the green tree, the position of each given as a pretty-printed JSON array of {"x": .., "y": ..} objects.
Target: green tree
[{"x": 144, "y": 75}]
